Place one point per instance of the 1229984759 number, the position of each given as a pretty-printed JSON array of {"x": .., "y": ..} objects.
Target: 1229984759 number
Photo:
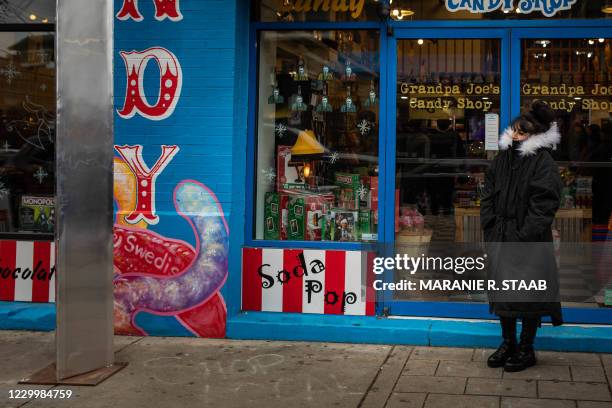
[{"x": 29, "y": 394}]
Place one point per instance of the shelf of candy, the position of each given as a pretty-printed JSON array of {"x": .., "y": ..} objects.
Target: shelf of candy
[
  {"x": 467, "y": 190},
  {"x": 577, "y": 190}
]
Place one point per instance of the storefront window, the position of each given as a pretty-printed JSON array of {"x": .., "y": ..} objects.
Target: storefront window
[
  {"x": 574, "y": 77},
  {"x": 317, "y": 136},
  {"x": 27, "y": 11},
  {"x": 405, "y": 10},
  {"x": 317, "y": 10},
  {"x": 27, "y": 132},
  {"x": 448, "y": 107}
]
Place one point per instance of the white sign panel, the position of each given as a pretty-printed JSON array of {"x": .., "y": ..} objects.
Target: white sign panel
[{"x": 491, "y": 131}]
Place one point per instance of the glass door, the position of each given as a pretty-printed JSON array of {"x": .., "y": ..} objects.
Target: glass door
[
  {"x": 571, "y": 70},
  {"x": 449, "y": 98}
]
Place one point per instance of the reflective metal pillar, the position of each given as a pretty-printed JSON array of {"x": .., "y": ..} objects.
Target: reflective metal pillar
[{"x": 84, "y": 148}]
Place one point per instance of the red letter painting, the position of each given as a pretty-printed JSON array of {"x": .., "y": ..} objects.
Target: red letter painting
[
  {"x": 163, "y": 9},
  {"x": 170, "y": 83}
]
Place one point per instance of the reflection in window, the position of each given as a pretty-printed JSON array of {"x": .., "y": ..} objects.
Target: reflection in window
[
  {"x": 27, "y": 132},
  {"x": 574, "y": 77},
  {"x": 448, "y": 106},
  {"x": 27, "y": 11},
  {"x": 317, "y": 136},
  {"x": 446, "y": 91}
]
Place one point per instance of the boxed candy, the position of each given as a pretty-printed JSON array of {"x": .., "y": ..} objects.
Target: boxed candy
[
  {"x": 366, "y": 229},
  {"x": 287, "y": 177},
  {"x": 272, "y": 217},
  {"x": 305, "y": 215},
  {"x": 341, "y": 225},
  {"x": 353, "y": 194}
]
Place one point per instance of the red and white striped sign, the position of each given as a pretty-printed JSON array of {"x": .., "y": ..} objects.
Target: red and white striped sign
[
  {"x": 27, "y": 271},
  {"x": 307, "y": 281}
]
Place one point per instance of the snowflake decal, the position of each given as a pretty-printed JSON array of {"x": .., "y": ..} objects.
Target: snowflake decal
[
  {"x": 362, "y": 192},
  {"x": 333, "y": 158},
  {"x": 269, "y": 175},
  {"x": 280, "y": 129},
  {"x": 10, "y": 73},
  {"x": 6, "y": 146},
  {"x": 40, "y": 175},
  {"x": 4, "y": 191},
  {"x": 364, "y": 127}
]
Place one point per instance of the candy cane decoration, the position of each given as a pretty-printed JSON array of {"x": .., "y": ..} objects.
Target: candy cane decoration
[
  {"x": 201, "y": 280},
  {"x": 170, "y": 84}
]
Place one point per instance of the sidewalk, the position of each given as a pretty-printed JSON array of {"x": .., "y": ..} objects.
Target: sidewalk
[{"x": 187, "y": 372}]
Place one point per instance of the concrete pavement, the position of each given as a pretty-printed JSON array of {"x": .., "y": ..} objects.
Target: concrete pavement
[{"x": 172, "y": 372}]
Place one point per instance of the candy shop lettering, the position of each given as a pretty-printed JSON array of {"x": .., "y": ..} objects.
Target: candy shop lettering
[
  {"x": 336, "y": 6},
  {"x": 577, "y": 96},
  {"x": 548, "y": 7}
]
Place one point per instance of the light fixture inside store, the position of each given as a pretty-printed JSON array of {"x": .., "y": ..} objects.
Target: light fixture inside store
[
  {"x": 506, "y": 11},
  {"x": 420, "y": 41},
  {"x": 601, "y": 40},
  {"x": 543, "y": 43},
  {"x": 403, "y": 97},
  {"x": 33, "y": 17},
  {"x": 400, "y": 14},
  {"x": 607, "y": 7},
  {"x": 590, "y": 55},
  {"x": 591, "y": 42}
]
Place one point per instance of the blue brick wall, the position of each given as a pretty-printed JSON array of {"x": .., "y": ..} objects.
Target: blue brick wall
[{"x": 209, "y": 121}]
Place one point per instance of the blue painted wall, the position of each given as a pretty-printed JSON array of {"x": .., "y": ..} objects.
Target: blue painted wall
[{"x": 208, "y": 123}]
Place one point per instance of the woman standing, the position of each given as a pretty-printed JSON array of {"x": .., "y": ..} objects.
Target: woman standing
[{"x": 520, "y": 199}]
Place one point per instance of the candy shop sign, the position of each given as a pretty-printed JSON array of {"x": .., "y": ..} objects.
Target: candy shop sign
[
  {"x": 548, "y": 7},
  {"x": 336, "y": 6},
  {"x": 432, "y": 97}
]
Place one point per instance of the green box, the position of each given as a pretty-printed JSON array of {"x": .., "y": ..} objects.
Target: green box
[
  {"x": 295, "y": 221},
  {"x": 272, "y": 216},
  {"x": 353, "y": 193},
  {"x": 608, "y": 297},
  {"x": 348, "y": 180},
  {"x": 364, "y": 225}
]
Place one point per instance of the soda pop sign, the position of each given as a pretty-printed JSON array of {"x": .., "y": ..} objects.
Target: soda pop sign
[{"x": 548, "y": 7}]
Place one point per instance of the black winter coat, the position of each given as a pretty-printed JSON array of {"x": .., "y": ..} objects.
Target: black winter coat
[{"x": 520, "y": 199}]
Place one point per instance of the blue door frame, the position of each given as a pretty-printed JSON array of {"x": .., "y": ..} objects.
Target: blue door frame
[{"x": 510, "y": 33}]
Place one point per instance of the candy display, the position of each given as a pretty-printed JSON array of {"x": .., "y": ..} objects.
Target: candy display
[
  {"x": 317, "y": 141},
  {"x": 272, "y": 216}
]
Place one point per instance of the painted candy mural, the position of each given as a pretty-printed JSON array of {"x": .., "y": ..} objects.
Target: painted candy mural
[
  {"x": 165, "y": 276},
  {"x": 162, "y": 273}
]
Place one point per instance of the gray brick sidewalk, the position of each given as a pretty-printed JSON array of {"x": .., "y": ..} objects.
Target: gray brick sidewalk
[{"x": 171, "y": 372}]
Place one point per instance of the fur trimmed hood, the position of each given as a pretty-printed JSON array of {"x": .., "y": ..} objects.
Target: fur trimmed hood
[{"x": 548, "y": 140}]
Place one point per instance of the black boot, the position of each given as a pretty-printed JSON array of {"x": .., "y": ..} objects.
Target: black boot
[
  {"x": 525, "y": 356},
  {"x": 508, "y": 347}
]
